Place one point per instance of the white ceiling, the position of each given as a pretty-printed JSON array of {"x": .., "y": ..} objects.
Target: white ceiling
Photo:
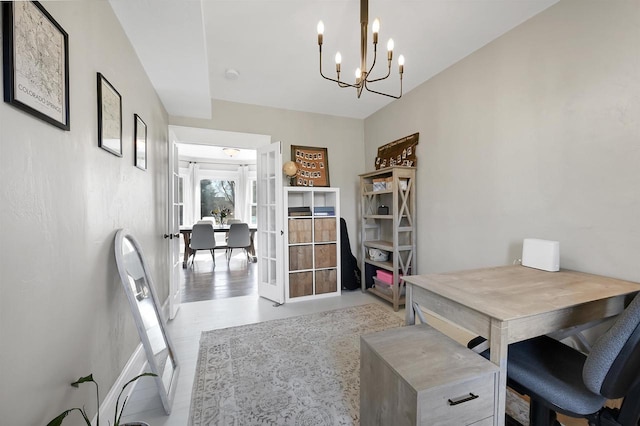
[
  {"x": 189, "y": 152},
  {"x": 186, "y": 46},
  {"x": 195, "y": 144}
]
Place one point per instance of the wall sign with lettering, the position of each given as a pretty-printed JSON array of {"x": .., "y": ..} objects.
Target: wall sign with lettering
[
  {"x": 312, "y": 164},
  {"x": 401, "y": 152}
]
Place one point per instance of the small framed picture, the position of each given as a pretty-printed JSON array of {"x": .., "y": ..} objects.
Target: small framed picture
[
  {"x": 140, "y": 132},
  {"x": 109, "y": 117},
  {"x": 313, "y": 165},
  {"x": 36, "y": 62}
]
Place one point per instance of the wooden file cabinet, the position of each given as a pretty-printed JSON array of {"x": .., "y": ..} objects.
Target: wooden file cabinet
[{"x": 418, "y": 376}]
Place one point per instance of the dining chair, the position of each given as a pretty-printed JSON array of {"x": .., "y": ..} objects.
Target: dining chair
[
  {"x": 561, "y": 379},
  {"x": 232, "y": 221},
  {"x": 203, "y": 238},
  {"x": 239, "y": 237}
]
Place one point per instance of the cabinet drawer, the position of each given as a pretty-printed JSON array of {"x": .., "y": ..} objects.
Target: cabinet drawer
[
  {"x": 434, "y": 406},
  {"x": 484, "y": 422},
  {"x": 300, "y": 257},
  {"x": 325, "y": 255},
  {"x": 326, "y": 281},
  {"x": 300, "y": 284},
  {"x": 300, "y": 231},
  {"x": 325, "y": 229},
  {"x": 409, "y": 374}
]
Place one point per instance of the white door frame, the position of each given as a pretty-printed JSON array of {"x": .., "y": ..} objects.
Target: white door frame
[{"x": 200, "y": 136}]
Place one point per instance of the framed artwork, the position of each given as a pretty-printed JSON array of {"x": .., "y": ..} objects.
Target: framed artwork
[
  {"x": 312, "y": 164},
  {"x": 140, "y": 132},
  {"x": 36, "y": 62},
  {"x": 398, "y": 153},
  {"x": 109, "y": 117}
]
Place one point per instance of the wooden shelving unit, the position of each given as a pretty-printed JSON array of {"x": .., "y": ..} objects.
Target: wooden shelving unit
[
  {"x": 312, "y": 243},
  {"x": 392, "y": 231}
]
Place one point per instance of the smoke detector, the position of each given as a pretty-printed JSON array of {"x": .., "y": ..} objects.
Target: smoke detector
[{"x": 231, "y": 74}]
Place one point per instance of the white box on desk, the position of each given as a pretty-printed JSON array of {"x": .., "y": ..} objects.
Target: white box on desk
[{"x": 541, "y": 254}]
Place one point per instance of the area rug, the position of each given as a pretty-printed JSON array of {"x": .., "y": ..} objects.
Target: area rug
[
  {"x": 303, "y": 371},
  {"x": 296, "y": 371}
]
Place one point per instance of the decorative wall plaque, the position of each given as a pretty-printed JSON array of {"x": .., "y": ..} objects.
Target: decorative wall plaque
[
  {"x": 398, "y": 153},
  {"x": 312, "y": 164}
]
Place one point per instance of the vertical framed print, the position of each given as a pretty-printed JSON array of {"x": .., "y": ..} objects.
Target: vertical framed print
[
  {"x": 312, "y": 164},
  {"x": 140, "y": 132},
  {"x": 109, "y": 117},
  {"x": 35, "y": 62}
]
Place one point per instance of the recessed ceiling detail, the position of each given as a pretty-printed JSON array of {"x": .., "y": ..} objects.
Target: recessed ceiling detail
[{"x": 187, "y": 46}]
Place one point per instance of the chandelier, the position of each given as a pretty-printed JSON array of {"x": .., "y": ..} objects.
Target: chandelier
[{"x": 362, "y": 74}]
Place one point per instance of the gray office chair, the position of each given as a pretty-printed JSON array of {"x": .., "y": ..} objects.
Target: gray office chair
[
  {"x": 561, "y": 379},
  {"x": 239, "y": 237},
  {"x": 203, "y": 238}
]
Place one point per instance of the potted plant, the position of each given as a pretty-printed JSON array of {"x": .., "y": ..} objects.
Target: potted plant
[
  {"x": 118, "y": 414},
  {"x": 221, "y": 214}
]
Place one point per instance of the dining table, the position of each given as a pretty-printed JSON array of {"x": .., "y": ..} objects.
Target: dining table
[
  {"x": 509, "y": 304},
  {"x": 186, "y": 235}
]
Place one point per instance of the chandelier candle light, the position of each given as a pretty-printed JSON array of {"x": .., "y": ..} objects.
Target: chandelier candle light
[{"x": 362, "y": 74}]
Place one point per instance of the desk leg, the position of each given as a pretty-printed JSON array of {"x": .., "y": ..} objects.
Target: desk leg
[
  {"x": 410, "y": 315},
  {"x": 252, "y": 248},
  {"x": 187, "y": 249},
  {"x": 499, "y": 345}
]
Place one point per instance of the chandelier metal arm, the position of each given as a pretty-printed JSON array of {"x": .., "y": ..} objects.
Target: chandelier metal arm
[
  {"x": 362, "y": 74},
  {"x": 375, "y": 55},
  {"x": 340, "y": 83},
  {"x": 381, "y": 78},
  {"x": 385, "y": 94}
]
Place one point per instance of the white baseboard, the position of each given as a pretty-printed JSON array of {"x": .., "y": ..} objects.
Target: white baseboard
[{"x": 137, "y": 364}]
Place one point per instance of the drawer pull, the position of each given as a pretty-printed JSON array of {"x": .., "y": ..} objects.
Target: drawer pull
[{"x": 462, "y": 399}]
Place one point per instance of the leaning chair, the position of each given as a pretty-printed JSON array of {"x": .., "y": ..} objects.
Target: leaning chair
[
  {"x": 239, "y": 237},
  {"x": 203, "y": 238},
  {"x": 560, "y": 379}
]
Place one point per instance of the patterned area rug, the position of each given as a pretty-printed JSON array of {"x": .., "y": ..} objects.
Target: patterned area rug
[{"x": 296, "y": 371}]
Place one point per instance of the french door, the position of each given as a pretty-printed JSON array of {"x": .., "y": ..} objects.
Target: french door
[
  {"x": 270, "y": 223},
  {"x": 175, "y": 207}
]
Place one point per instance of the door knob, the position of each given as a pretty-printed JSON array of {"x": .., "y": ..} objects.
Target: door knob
[{"x": 170, "y": 236}]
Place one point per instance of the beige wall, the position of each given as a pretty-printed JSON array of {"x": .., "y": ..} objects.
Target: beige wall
[
  {"x": 343, "y": 138},
  {"x": 63, "y": 312},
  {"x": 535, "y": 135}
]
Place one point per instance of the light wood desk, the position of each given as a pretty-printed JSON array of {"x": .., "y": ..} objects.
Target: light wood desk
[{"x": 513, "y": 303}]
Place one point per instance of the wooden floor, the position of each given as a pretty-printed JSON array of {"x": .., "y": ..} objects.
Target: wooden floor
[{"x": 202, "y": 281}]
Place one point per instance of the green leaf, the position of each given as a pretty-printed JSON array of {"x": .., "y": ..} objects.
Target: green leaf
[
  {"x": 58, "y": 420},
  {"x": 117, "y": 415},
  {"x": 85, "y": 379}
]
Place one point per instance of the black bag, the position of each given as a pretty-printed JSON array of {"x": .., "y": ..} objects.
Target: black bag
[{"x": 350, "y": 272}]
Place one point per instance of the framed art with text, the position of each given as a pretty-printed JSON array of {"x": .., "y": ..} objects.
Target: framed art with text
[
  {"x": 140, "y": 132},
  {"x": 109, "y": 117},
  {"x": 312, "y": 164},
  {"x": 35, "y": 62},
  {"x": 398, "y": 153}
]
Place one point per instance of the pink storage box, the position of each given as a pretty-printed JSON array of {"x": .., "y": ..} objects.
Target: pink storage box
[
  {"x": 385, "y": 276},
  {"x": 386, "y": 288}
]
